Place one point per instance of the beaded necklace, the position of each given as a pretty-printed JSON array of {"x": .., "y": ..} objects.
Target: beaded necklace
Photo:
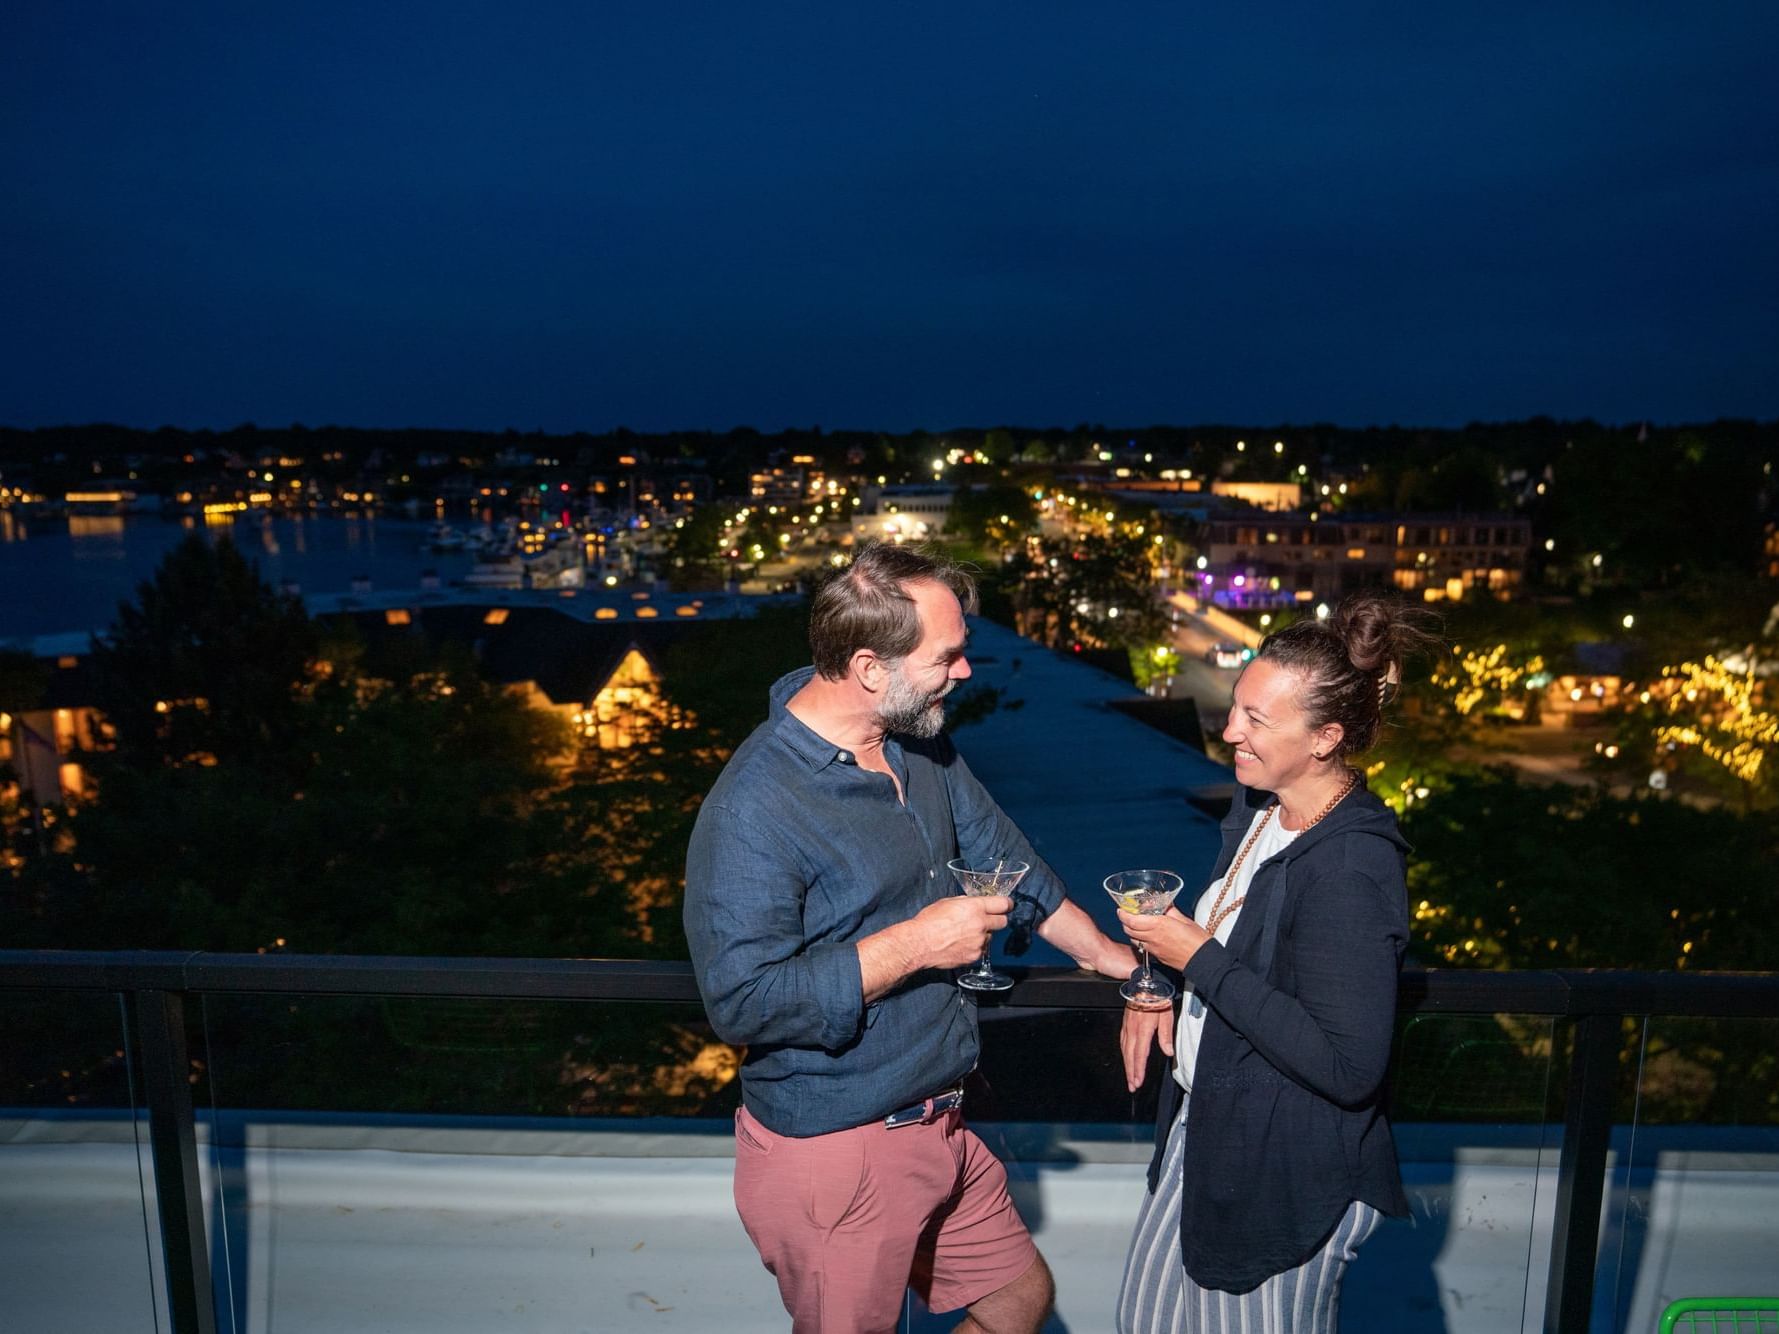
[{"x": 1218, "y": 911}]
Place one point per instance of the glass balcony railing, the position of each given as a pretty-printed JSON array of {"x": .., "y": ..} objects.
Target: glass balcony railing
[{"x": 289, "y": 1143}]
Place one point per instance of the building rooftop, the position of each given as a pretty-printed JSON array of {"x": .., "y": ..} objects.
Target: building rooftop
[{"x": 1095, "y": 790}]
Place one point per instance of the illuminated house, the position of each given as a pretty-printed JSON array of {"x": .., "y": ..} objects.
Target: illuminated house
[
  {"x": 601, "y": 676},
  {"x": 41, "y": 744}
]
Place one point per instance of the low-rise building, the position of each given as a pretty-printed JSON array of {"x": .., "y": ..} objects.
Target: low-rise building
[
  {"x": 1262, "y": 559},
  {"x": 901, "y": 513}
]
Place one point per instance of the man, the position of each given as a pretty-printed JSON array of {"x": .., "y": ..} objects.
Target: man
[{"x": 825, "y": 932}]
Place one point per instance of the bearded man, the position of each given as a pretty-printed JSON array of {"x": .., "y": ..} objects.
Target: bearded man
[{"x": 824, "y": 930}]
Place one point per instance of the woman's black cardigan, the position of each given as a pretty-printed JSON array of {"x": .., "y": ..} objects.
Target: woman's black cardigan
[{"x": 1287, "y": 1125}]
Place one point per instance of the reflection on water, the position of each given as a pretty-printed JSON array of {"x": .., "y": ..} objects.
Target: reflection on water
[
  {"x": 12, "y": 527},
  {"x": 96, "y": 525}
]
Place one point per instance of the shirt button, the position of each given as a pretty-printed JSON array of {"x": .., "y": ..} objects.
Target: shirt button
[{"x": 932, "y": 874}]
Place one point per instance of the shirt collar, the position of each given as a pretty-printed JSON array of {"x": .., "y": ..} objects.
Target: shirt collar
[{"x": 815, "y": 751}]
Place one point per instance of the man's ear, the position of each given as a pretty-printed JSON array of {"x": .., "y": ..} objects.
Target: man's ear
[{"x": 867, "y": 669}]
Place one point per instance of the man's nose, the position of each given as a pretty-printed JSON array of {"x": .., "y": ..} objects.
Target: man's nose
[{"x": 960, "y": 670}]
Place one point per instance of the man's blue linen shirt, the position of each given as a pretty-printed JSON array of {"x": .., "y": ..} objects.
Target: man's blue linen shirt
[{"x": 798, "y": 853}]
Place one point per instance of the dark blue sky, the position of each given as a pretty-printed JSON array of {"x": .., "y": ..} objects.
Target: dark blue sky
[{"x": 661, "y": 215}]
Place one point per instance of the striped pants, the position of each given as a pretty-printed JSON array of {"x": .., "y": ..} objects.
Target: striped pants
[{"x": 1159, "y": 1297}]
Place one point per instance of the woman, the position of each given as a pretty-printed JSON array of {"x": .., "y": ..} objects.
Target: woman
[{"x": 1273, "y": 1158}]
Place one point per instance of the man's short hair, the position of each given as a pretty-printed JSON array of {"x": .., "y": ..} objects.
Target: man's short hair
[{"x": 866, "y": 605}]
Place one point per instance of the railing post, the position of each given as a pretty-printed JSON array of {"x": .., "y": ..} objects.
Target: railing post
[
  {"x": 1581, "y": 1174},
  {"x": 172, "y": 1131}
]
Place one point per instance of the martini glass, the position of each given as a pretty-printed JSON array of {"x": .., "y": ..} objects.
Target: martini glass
[
  {"x": 1150, "y": 893},
  {"x": 980, "y": 879}
]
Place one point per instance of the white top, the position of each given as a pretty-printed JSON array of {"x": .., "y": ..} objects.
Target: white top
[{"x": 1192, "y": 1010}]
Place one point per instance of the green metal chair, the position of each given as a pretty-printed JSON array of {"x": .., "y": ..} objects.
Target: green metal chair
[{"x": 1722, "y": 1315}]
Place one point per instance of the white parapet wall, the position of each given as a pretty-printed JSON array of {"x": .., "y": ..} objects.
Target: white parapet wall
[{"x": 334, "y": 1227}]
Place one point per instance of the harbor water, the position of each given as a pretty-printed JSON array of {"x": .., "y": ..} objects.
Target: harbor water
[{"x": 68, "y": 574}]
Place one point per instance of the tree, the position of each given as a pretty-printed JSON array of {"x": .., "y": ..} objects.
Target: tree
[
  {"x": 1096, "y": 589},
  {"x": 991, "y": 516},
  {"x": 1657, "y": 508},
  {"x": 698, "y": 547},
  {"x": 205, "y": 665},
  {"x": 1507, "y": 874},
  {"x": 1467, "y": 480}
]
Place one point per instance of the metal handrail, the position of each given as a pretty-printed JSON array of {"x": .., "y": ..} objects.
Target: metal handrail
[
  {"x": 1561, "y": 992},
  {"x": 155, "y": 985}
]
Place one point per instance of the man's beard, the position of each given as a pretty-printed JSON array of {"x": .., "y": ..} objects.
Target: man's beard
[{"x": 911, "y": 712}]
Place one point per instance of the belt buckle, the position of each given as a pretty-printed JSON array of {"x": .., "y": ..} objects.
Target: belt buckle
[{"x": 927, "y": 1111}]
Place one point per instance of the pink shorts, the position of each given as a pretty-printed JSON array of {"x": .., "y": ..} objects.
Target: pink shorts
[{"x": 848, "y": 1221}]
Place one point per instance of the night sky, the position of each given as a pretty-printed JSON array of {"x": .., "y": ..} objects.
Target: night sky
[{"x": 572, "y": 216}]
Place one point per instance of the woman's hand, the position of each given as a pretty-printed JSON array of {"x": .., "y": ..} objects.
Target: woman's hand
[
  {"x": 1171, "y": 937},
  {"x": 1140, "y": 1028}
]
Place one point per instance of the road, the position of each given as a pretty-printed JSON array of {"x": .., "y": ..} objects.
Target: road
[{"x": 1197, "y": 679}]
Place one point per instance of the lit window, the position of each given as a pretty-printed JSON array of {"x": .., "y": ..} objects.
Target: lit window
[
  {"x": 397, "y": 616},
  {"x": 646, "y": 612},
  {"x": 495, "y": 616},
  {"x": 606, "y": 614}
]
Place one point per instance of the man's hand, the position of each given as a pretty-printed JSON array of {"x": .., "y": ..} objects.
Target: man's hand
[
  {"x": 1141, "y": 1027},
  {"x": 950, "y": 932}
]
